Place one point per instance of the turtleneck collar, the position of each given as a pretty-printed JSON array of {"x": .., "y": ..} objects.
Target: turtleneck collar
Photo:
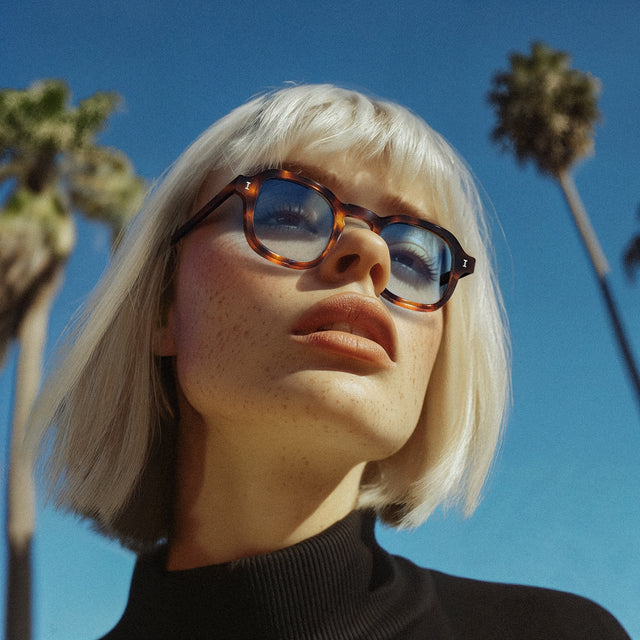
[{"x": 336, "y": 585}]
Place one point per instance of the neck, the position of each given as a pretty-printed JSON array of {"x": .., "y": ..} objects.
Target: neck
[{"x": 230, "y": 505}]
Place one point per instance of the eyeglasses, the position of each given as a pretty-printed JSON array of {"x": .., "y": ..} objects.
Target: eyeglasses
[{"x": 293, "y": 221}]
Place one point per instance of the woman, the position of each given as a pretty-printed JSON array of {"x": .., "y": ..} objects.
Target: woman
[{"x": 266, "y": 369}]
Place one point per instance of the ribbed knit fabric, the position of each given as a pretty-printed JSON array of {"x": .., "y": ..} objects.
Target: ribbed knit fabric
[{"x": 340, "y": 585}]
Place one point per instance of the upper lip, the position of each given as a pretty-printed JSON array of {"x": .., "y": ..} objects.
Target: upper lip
[{"x": 352, "y": 313}]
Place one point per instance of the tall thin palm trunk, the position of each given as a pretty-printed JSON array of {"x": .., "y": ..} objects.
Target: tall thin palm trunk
[
  {"x": 21, "y": 490},
  {"x": 51, "y": 166},
  {"x": 601, "y": 267}
]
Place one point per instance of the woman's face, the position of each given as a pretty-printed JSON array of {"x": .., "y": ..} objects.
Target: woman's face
[{"x": 310, "y": 365}]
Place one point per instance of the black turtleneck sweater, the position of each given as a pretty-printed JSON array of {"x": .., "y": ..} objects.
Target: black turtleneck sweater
[{"x": 341, "y": 585}]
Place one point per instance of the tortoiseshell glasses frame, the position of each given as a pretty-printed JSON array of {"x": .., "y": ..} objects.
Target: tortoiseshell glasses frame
[{"x": 458, "y": 263}]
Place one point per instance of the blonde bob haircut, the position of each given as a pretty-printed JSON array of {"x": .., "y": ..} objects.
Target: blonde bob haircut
[{"x": 106, "y": 420}]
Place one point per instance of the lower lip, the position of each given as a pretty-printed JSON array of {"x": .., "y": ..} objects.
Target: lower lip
[{"x": 347, "y": 345}]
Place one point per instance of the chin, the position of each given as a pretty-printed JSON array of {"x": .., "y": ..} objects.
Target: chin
[{"x": 369, "y": 438}]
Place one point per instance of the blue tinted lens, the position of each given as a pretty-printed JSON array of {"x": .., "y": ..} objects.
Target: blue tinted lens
[
  {"x": 292, "y": 220},
  {"x": 420, "y": 263}
]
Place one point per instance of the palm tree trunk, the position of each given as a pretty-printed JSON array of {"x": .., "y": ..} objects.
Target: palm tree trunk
[
  {"x": 601, "y": 267},
  {"x": 21, "y": 488}
]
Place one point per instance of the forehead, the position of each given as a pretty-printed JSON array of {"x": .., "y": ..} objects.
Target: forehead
[{"x": 369, "y": 182}]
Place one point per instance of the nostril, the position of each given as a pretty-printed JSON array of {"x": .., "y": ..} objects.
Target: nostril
[{"x": 344, "y": 263}]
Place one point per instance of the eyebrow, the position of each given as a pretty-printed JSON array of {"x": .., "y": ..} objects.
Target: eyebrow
[{"x": 392, "y": 204}]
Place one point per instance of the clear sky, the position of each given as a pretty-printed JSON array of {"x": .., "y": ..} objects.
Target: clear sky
[{"x": 563, "y": 506}]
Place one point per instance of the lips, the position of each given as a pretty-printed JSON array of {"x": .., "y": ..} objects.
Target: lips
[{"x": 349, "y": 324}]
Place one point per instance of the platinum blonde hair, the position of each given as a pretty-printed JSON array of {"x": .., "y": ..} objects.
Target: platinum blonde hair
[{"x": 106, "y": 421}]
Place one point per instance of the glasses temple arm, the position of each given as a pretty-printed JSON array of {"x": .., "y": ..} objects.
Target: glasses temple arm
[{"x": 202, "y": 213}]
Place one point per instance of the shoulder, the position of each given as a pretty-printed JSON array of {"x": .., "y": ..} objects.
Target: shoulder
[{"x": 478, "y": 609}]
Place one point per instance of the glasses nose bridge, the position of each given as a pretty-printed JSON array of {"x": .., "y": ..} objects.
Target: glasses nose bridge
[
  {"x": 356, "y": 254},
  {"x": 361, "y": 214}
]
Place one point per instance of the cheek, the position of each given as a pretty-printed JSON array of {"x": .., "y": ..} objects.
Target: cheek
[
  {"x": 225, "y": 320},
  {"x": 421, "y": 350},
  {"x": 210, "y": 319},
  {"x": 211, "y": 287},
  {"x": 419, "y": 343}
]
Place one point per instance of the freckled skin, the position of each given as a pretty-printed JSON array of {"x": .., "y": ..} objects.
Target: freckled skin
[
  {"x": 229, "y": 355},
  {"x": 264, "y": 400}
]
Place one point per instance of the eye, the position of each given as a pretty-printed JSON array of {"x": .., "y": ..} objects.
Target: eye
[
  {"x": 286, "y": 218},
  {"x": 412, "y": 264},
  {"x": 287, "y": 208},
  {"x": 420, "y": 262}
]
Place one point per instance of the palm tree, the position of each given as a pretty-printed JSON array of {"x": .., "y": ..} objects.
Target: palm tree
[
  {"x": 631, "y": 258},
  {"x": 546, "y": 112},
  {"x": 50, "y": 167}
]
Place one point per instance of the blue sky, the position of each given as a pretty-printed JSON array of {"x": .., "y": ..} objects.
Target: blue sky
[{"x": 563, "y": 506}]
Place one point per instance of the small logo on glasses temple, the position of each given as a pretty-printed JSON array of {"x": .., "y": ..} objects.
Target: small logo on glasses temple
[
  {"x": 464, "y": 263},
  {"x": 247, "y": 185}
]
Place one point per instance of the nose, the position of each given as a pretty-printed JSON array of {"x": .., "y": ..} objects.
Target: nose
[{"x": 360, "y": 255}]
